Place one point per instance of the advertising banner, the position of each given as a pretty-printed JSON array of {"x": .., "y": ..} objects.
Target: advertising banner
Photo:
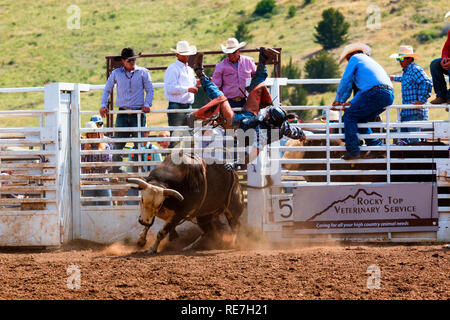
[{"x": 365, "y": 208}]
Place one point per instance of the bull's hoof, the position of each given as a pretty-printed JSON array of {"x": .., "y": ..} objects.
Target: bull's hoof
[
  {"x": 152, "y": 250},
  {"x": 141, "y": 242}
]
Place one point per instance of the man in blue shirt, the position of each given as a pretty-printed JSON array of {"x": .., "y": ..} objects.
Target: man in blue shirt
[
  {"x": 416, "y": 89},
  {"x": 132, "y": 82},
  {"x": 374, "y": 95}
]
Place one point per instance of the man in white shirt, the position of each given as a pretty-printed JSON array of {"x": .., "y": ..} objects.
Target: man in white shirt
[{"x": 180, "y": 84}]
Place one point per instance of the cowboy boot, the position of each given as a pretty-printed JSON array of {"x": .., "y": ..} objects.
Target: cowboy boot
[{"x": 198, "y": 65}]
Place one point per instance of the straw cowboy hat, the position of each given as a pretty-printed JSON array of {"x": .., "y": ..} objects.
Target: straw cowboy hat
[
  {"x": 185, "y": 49},
  {"x": 354, "y": 47},
  {"x": 232, "y": 45},
  {"x": 405, "y": 52}
]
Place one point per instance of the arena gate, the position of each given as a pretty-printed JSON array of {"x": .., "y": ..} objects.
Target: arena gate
[{"x": 50, "y": 175}]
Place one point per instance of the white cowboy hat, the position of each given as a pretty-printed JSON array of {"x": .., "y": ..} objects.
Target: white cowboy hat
[
  {"x": 354, "y": 47},
  {"x": 447, "y": 15},
  {"x": 334, "y": 116},
  {"x": 185, "y": 49},
  {"x": 232, "y": 45},
  {"x": 404, "y": 51},
  {"x": 89, "y": 125}
]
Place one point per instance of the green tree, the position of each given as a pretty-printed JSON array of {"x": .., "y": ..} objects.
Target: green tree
[
  {"x": 265, "y": 7},
  {"x": 331, "y": 32},
  {"x": 321, "y": 66},
  {"x": 243, "y": 33}
]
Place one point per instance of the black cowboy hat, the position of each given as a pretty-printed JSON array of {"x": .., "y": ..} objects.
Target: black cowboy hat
[{"x": 129, "y": 53}]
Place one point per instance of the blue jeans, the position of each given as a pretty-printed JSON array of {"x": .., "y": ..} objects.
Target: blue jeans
[
  {"x": 365, "y": 106},
  {"x": 237, "y": 104},
  {"x": 126, "y": 120},
  {"x": 259, "y": 76},
  {"x": 238, "y": 116},
  {"x": 412, "y": 117},
  {"x": 212, "y": 91},
  {"x": 177, "y": 119},
  {"x": 439, "y": 84},
  {"x": 97, "y": 193}
]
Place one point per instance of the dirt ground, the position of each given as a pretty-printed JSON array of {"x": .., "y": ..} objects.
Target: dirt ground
[{"x": 252, "y": 271}]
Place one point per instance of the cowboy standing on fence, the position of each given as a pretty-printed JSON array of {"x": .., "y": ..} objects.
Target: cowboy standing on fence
[
  {"x": 134, "y": 92},
  {"x": 374, "y": 95},
  {"x": 231, "y": 73},
  {"x": 416, "y": 89},
  {"x": 180, "y": 84}
]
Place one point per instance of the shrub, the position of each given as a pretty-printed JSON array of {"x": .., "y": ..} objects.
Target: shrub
[
  {"x": 321, "y": 66},
  {"x": 242, "y": 32},
  {"x": 265, "y": 8},
  {"x": 331, "y": 32},
  {"x": 427, "y": 35},
  {"x": 292, "y": 10}
]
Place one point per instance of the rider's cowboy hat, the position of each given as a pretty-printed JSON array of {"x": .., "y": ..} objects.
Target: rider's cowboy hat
[
  {"x": 185, "y": 49},
  {"x": 405, "y": 52},
  {"x": 232, "y": 45},
  {"x": 354, "y": 47}
]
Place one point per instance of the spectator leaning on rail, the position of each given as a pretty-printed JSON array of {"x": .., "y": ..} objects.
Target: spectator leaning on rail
[
  {"x": 416, "y": 89},
  {"x": 231, "y": 73},
  {"x": 132, "y": 82},
  {"x": 96, "y": 169},
  {"x": 374, "y": 95},
  {"x": 440, "y": 67},
  {"x": 180, "y": 84}
]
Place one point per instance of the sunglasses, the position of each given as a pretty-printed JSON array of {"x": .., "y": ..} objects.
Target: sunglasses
[
  {"x": 402, "y": 58},
  {"x": 99, "y": 124},
  {"x": 131, "y": 60}
]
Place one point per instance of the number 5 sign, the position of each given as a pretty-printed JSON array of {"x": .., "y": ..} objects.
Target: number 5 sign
[{"x": 283, "y": 209}]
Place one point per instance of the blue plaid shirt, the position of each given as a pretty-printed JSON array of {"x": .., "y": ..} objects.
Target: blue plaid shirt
[{"x": 416, "y": 86}]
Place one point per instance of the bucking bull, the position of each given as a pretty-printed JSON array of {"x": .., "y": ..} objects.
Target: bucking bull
[{"x": 176, "y": 192}]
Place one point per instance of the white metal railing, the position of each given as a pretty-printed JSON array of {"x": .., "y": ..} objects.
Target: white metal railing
[{"x": 435, "y": 129}]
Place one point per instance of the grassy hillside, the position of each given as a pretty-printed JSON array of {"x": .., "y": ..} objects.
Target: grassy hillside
[{"x": 37, "y": 45}]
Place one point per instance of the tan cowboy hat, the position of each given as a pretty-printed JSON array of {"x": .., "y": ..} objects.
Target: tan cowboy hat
[
  {"x": 232, "y": 45},
  {"x": 404, "y": 52},
  {"x": 354, "y": 47},
  {"x": 185, "y": 49}
]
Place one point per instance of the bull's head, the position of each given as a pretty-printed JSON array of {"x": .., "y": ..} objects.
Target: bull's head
[{"x": 152, "y": 200}]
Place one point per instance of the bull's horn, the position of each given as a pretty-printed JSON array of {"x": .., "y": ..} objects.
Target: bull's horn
[
  {"x": 173, "y": 193},
  {"x": 141, "y": 183}
]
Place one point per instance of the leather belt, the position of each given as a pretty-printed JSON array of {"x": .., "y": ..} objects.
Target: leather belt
[
  {"x": 237, "y": 99},
  {"x": 127, "y": 108},
  {"x": 381, "y": 86}
]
